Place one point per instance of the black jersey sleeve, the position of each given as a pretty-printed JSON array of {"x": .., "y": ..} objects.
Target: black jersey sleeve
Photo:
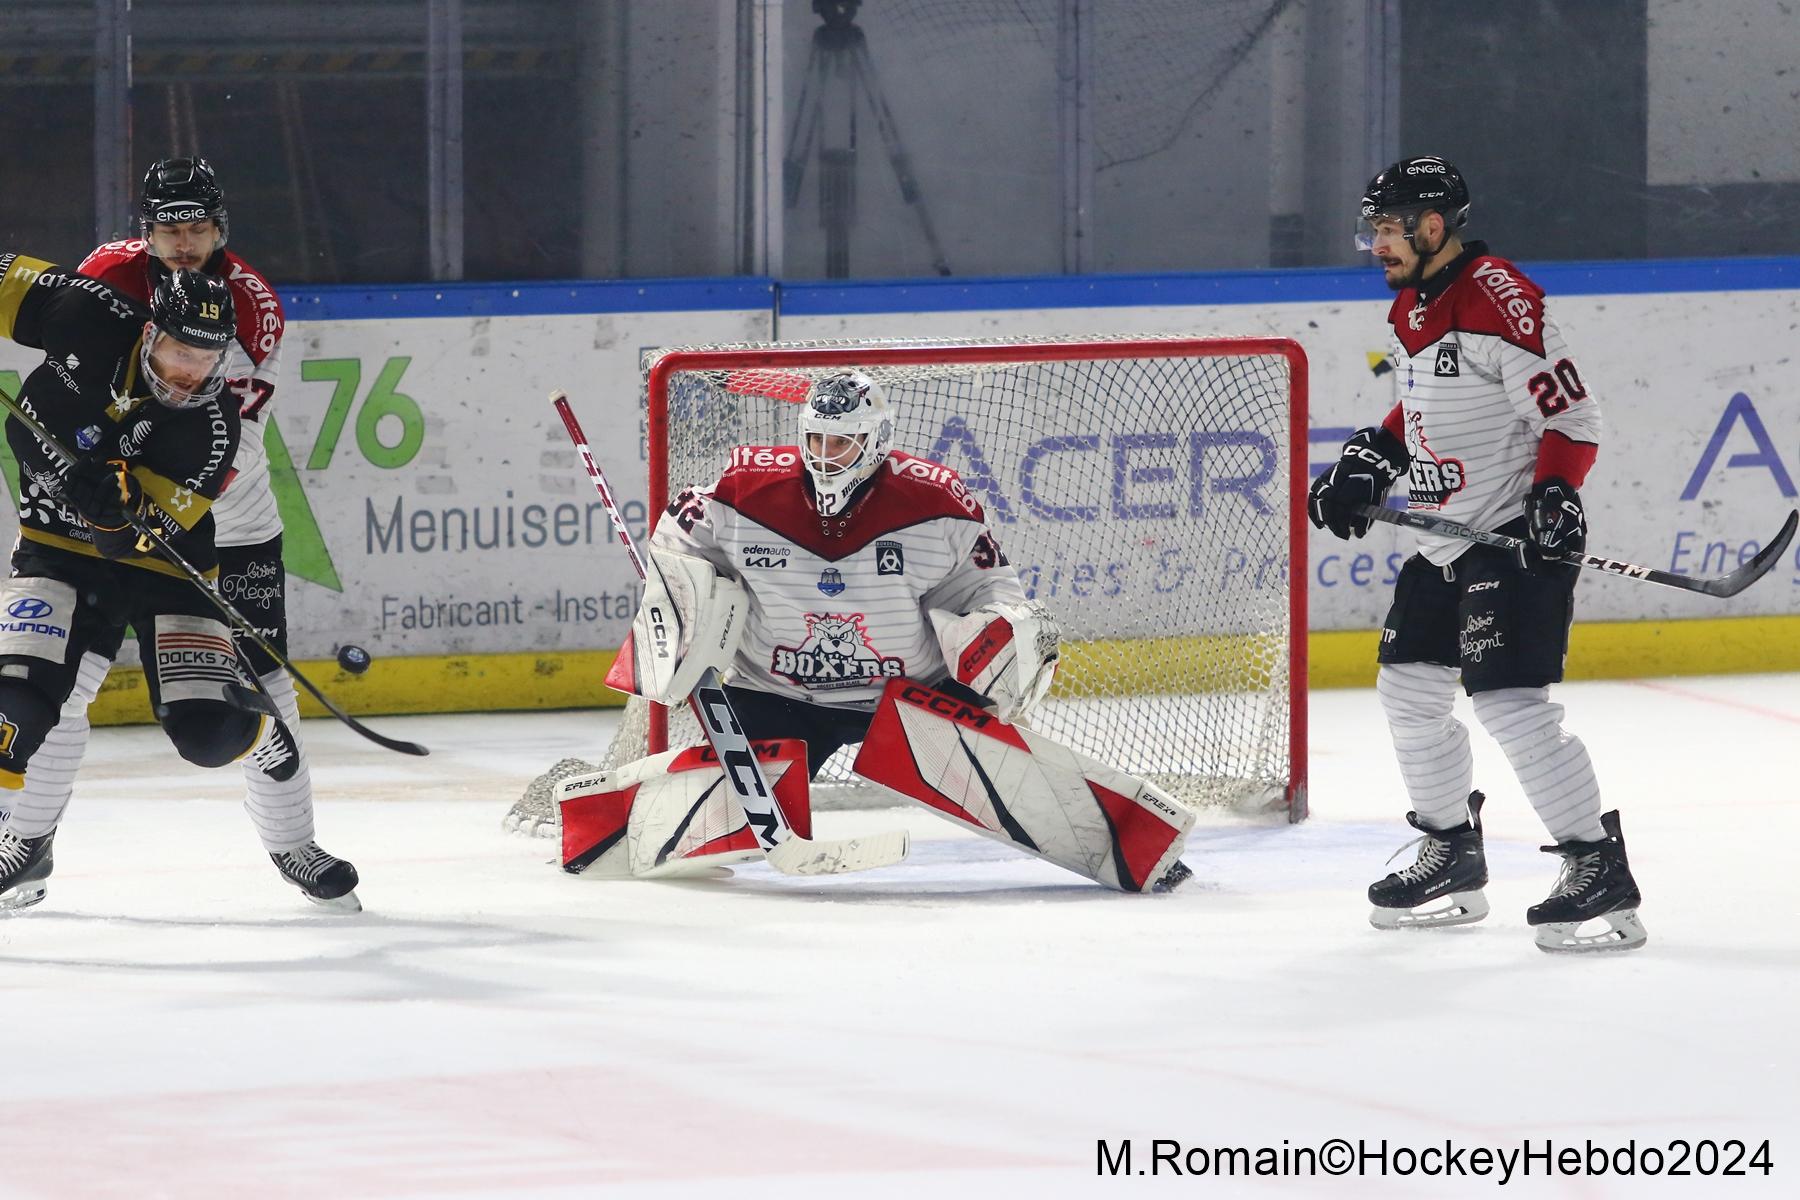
[{"x": 53, "y": 309}]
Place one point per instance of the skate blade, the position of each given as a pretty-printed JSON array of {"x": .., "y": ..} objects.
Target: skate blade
[
  {"x": 1460, "y": 908},
  {"x": 346, "y": 903},
  {"x": 22, "y": 897},
  {"x": 1623, "y": 932}
]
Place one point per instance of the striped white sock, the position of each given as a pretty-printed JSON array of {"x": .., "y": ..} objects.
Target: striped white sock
[
  {"x": 281, "y": 811},
  {"x": 50, "y": 776},
  {"x": 1431, "y": 744},
  {"x": 1553, "y": 767}
]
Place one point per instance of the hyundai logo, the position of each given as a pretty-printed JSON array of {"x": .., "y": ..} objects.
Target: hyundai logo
[{"x": 29, "y": 609}]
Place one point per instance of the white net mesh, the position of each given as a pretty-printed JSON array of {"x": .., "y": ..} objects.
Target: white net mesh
[{"x": 1142, "y": 490}]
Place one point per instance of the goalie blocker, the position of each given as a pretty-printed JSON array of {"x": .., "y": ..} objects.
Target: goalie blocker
[{"x": 1015, "y": 786}]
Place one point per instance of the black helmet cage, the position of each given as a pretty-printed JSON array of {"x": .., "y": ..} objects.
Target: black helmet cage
[
  {"x": 178, "y": 190},
  {"x": 194, "y": 308}
]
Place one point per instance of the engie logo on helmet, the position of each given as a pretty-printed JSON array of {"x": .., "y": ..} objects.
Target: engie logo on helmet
[
  {"x": 1425, "y": 169},
  {"x": 172, "y": 215}
]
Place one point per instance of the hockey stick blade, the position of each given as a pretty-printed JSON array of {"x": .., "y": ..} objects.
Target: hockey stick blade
[
  {"x": 233, "y": 618},
  {"x": 798, "y": 856},
  {"x": 1719, "y": 585}
]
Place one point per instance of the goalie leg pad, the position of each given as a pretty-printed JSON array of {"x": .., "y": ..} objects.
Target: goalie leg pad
[
  {"x": 1016, "y": 786},
  {"x": 691, "y": 618},
  {"x": 671, "y": 814}
]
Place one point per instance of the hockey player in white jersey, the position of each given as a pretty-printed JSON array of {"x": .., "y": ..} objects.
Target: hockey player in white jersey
[
  {"x": 855, "y": 594},
  {"x": 1494, "y": 428}
]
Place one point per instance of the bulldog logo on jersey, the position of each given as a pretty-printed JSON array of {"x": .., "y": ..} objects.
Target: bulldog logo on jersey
[
  {"x": 836, "y": 653},
  {"x": 1446, "y": 361},
  {"x": 1432, "y": 480},
  {"x": 890, "y": 558}
]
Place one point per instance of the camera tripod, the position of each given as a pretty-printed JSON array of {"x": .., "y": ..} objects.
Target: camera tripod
[{"x": 838, "y": 72}]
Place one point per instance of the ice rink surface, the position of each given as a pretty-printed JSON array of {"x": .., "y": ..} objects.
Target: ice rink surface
[{"x": 181, "y": 1023}]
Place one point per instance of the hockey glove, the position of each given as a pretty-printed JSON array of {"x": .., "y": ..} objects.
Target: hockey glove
[
  {"x": 103, "y": 492},
  {"x": 1371, "y": 462},
  {"x": 1556, "y": 526}
]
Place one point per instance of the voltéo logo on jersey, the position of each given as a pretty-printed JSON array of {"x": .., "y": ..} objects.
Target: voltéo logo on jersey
[
  {"x": 831, "y": 581},
  {"x": 890, "y": 558},
  {"x": 1446, "y": 360}
]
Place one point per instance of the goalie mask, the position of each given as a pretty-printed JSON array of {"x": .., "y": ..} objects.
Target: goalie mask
[{"x": 845, "y": 433}]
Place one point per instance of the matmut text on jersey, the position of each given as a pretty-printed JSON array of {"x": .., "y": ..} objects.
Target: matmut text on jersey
[
  {"x": 838, "y": 604},
  {"x": 1483, "y": 373}
]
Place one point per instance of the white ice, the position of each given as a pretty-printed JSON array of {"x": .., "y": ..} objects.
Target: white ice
[{"x": 180, "y": 1023}]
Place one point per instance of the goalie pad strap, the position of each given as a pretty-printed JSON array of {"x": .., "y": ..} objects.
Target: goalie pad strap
[{"x": 1016, "y": 786}]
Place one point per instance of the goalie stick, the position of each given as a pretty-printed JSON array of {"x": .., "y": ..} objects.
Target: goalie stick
[
  {"x": 785, "y": 850},
  {"x": 236, "y": 694},
  {"x": 1720, "y": 585}
]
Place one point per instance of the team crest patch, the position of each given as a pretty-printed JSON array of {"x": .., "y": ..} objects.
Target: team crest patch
[
  {"x": 1446, "y": 360},
  {"x": 890, "y": 558},
  {"x": 831, "y": 581},
  {"x": 88, "y": 438},
  {"x": 836, "y": 653}
]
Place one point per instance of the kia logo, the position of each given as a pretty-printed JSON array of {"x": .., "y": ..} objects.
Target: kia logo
[{"x": 29, "y": 609}]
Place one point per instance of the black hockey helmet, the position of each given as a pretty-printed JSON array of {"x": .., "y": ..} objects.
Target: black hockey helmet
[
  {"x": 1408, "y": 190},
  {"x": 178, "y": 190},
  {"x": 194, "y": 309}
]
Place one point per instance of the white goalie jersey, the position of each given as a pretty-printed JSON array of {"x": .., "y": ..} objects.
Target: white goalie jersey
[{"x": 838, "y": 605}]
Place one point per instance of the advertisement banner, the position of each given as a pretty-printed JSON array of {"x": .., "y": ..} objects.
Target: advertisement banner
[
  {"x": 433, "y": 505},
  {"x": 431, "y": 501}
]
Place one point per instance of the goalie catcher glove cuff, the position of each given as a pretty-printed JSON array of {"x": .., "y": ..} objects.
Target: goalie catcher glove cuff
[
  {"x": 1371, "y": 462},
  {"x": 1006, "y": 652}
]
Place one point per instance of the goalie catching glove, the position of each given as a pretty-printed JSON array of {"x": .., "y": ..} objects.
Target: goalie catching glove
[
  {"x": 1006, "y": 652},
  {"x": 691, "y": 618}
]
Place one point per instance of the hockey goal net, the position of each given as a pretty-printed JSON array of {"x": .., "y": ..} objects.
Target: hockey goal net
[{"x": 1148, "y": 489}]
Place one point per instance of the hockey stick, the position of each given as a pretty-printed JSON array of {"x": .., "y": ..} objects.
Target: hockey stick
[
  {"x": 1720, "y": 585},
  {"x": 240, "y": 697},
  {"x": 786, "y": 850}
]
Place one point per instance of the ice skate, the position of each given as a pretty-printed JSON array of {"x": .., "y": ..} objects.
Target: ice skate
[
  {"x": 24, "y": 865},
  {"x": 1595, "y": 885},
  {"x": 1176, "y": 875},
  {"x": 327, "y": 880},
  {"x": 1443, "y": 887}
]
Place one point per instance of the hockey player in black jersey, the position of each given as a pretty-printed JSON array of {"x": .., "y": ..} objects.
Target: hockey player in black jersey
[
  {"x": 1495, "y": 428},
  {"x": 138, "y": 396}
]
